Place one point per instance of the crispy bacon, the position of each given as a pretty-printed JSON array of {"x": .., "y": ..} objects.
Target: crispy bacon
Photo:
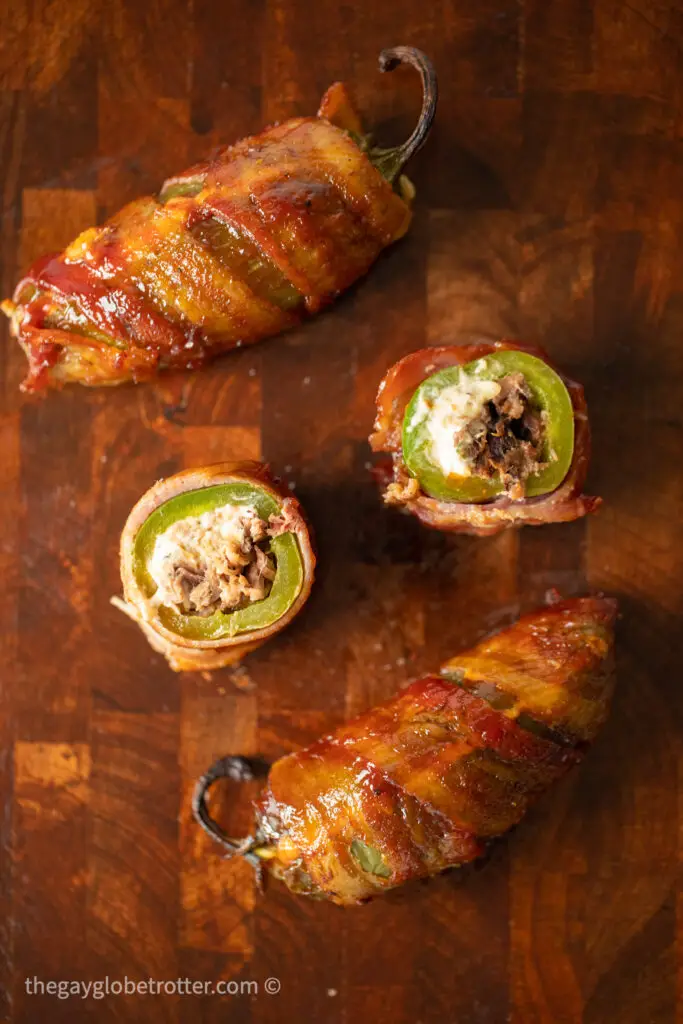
[
  {"x": 422, "y": 782},
  {"x": 147, "y": 292},
  {"x": 564, "y": 504}
]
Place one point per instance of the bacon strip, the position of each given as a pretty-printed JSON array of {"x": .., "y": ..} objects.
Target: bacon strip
[
  {"x": 421, "y": 782},
  {"x": 564, "y": 504},
  {"x": 55, "y": 356},
  {"x": 303, "y": 192}
]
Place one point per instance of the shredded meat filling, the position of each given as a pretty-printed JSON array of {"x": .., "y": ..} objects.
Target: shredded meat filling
[
  {"x": 214, "y": 562},
  {"x": 284, "y": 522},
  {"x": 506, "y": 439}
]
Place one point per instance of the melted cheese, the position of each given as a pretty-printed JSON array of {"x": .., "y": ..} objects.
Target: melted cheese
[{"x": 450, "y": 412}]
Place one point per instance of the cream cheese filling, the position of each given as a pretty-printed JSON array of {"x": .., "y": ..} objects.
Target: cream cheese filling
[{"x": 446, "y": 416}]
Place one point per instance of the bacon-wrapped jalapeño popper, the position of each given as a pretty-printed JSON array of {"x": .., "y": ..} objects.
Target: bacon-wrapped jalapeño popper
[
  {"x": 233, "y": 250},
  {"x": 423, "y": 782},
  {"x": 214, "y": 561},
  {"x": 483, "y": 437}
]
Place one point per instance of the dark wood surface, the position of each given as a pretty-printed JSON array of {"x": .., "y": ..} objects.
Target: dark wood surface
[{"x": 550, "y": 208}]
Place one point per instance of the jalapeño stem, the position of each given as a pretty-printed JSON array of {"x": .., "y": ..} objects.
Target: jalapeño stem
[
  {"x": 237, "y": 769},
  {"x": 390, "y": 162}
]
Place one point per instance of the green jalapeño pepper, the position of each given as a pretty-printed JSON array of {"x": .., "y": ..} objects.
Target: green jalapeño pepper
[
  {"x": 283, "y": 549},
  {"x": 239, "y": 253},
  {"x": 434, "y": 427},
  {"x": 234, "y": 248},
  {"x": 182, "y": 185}
]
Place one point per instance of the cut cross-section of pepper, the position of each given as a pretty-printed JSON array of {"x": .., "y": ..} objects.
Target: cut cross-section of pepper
[
  {"x": 213, "y": 562},
  {"x": 482, "y": 437}
]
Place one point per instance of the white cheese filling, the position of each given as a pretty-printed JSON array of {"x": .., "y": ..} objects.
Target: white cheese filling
[{"x": 447, "y": 416}]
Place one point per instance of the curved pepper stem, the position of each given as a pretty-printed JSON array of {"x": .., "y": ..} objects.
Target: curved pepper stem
[
  {"x": 237, "y": 769},
  {"x": 390, "y": 162}
]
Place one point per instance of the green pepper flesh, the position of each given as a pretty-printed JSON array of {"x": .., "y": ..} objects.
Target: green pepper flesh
[
  {"x": 242, "y": 256},
  {"x": 289, "y": 575},
  {"x": 191, "y": 186},
  {"x": 236, "y": 250}
]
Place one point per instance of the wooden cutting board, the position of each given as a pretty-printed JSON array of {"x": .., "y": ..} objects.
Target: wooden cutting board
[{"x": 550, "y": 207}]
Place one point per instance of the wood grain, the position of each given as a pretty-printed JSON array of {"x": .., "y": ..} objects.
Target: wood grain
[{"x": 550, "y": 206}]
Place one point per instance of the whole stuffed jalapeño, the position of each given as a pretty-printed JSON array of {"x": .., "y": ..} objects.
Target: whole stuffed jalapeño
[
  {"x": 214, "y": 561},
  {"x": 235, "y": 249},
  {"x": 483, "y": 437},
  {"x": 426, "y": 780}
]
